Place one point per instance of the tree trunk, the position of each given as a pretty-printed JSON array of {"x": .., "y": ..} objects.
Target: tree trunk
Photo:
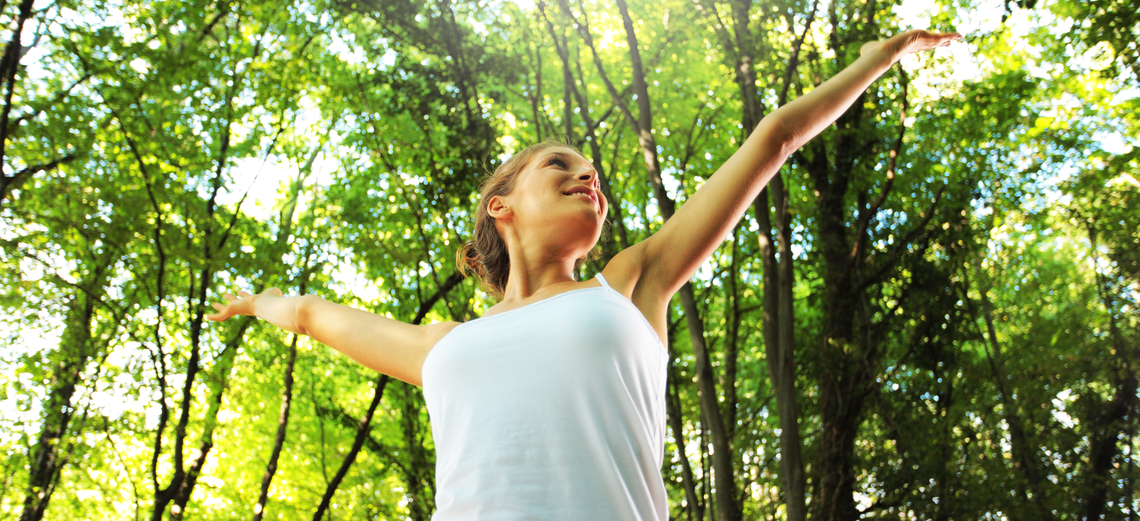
[
  {"x": 845, "y": 371},
  {"x": 279, "y": 439},
  {"x": 779, "y": 273},
  {"x": 419, "y": 500},
  {"x": 570, "y": 86},
  {"x": 695, "y": 506},
  {"x": 362, "y": 432},
  {"x": 9, "y": 68},
  {"x": 76, "y": 349},
  {"x": 1025, "y": 458},
  {"x": 1110, "y": 422}
]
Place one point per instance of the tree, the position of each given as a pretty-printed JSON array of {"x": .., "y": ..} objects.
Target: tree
[{"x": 933, "y": 304}]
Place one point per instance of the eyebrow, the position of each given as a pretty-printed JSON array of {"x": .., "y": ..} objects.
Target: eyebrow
[{"x": 566, "y": 156}]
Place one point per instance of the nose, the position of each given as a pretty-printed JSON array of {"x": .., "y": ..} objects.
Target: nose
[{"x": 588, "y": 173}]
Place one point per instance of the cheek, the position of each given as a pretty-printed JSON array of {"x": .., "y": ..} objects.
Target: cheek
[{"x": 536, "y": 189}]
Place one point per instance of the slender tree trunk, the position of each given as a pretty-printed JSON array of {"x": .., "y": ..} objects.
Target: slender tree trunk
[
  {"x": 694, "y": 506},
  {"x": 567, "y": 90},
  {"x": 779, "y": 273},
  {"x": 362, "y": 431},
  {"x": 732, "y": 317},
  {"x": 76, "y": 348},
  {"x": 9, "y": 68},
  {"x": 9, "y": 72},
  {"x": 419, "y": 501},
  {"x": 184, "y": 478},
  {"x": 282, "y": 428},
  {"x": 1110, "y": 422},
  {"x": 1025, "y": 458},
  {"x": 534, "y": 92},
  {"x": 286, "y": 227},
  {"x": 570, "y": 86}
]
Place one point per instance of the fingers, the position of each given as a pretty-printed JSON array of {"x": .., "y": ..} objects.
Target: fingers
[
  {"x": 240, "y": 304},
  {"x": 945, "y": 39},
  {"x": 938, "y": 39},
  {"x": 223, "y": 310},
  {"x": 919, "y": 40}
]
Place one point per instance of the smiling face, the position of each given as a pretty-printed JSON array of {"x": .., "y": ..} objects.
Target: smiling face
[{"x": 556, "y": 202}]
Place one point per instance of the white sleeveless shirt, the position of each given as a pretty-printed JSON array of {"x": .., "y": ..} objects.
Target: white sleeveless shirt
[{"x": 551, "y": 411}]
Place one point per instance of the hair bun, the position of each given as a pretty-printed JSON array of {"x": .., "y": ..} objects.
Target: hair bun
[{"x": 467, "y": 260}]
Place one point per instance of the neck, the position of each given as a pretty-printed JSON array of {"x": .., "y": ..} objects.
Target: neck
[{"x": 534, "y": 268}]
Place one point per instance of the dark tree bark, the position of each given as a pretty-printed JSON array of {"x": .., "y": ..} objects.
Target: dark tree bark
[
  {"x": 362, "y": 431},
  {"x": 1110, "y": 420},
  {"x": 845, "y": 373},
  {"x": 282, "y": 429},
  {"x": 76, "y": 350},
  {"x": 9, "y": 70},
  {"x": 694, "y": 503},
  {"x": 779, "y": 272},
  {"x": 14, "y": 181},
  {"x": 849, "y": 360}
]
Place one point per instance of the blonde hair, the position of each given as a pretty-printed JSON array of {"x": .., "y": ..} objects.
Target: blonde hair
[{"x": 485, "y": 255}]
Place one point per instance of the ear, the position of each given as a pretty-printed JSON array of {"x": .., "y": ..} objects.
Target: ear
[{"x": 498, "y": 209}]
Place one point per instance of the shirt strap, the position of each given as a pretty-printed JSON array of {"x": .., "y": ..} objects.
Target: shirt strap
[{"x": 605, "y": 284}]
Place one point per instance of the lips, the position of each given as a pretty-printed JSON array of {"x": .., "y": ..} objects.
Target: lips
[{"x": 585, "y": 190}]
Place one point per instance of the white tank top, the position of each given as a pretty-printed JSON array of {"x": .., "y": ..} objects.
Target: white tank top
[{"x": 551, "y": 411}]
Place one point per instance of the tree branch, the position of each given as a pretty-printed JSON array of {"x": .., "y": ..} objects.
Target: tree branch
[
  {"x": 867, "y": 214},
  {"x": 9, "y": 183},
  {"x": 893, "y": 257}
]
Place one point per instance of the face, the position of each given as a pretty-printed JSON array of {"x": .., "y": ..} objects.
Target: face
[{"x": 556, "y": 199}]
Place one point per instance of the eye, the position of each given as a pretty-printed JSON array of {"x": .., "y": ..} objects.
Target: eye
[{"x": 556, "y": 161}]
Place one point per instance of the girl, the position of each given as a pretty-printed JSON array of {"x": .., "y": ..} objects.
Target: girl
[{"x": 551, "y": 405}]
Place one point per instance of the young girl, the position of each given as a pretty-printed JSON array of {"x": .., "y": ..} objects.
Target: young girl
[{"x": 552, "y": 404}]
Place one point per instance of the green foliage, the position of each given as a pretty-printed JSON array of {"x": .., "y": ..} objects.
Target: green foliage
[{"x": 158, "y": 154}]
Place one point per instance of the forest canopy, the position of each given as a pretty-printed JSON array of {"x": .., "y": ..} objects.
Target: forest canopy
[{"x": 932, "y": 312}]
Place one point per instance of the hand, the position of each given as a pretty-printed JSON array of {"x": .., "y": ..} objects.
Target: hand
[
  {"x": 909, "y": 42},
  {"x": 242, "y": 304}
]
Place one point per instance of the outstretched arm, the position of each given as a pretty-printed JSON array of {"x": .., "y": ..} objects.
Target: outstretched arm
[
  {"x": 675, "y": 252},
  {"x": 380, "y": 343}
]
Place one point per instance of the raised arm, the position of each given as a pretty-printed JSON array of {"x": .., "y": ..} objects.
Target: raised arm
[
  {"x": 675, "y": 252},
  {"x": 380, "y": 343}
]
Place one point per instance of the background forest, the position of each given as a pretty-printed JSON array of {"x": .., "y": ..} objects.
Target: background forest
[{"x": 932, "y": 313}]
